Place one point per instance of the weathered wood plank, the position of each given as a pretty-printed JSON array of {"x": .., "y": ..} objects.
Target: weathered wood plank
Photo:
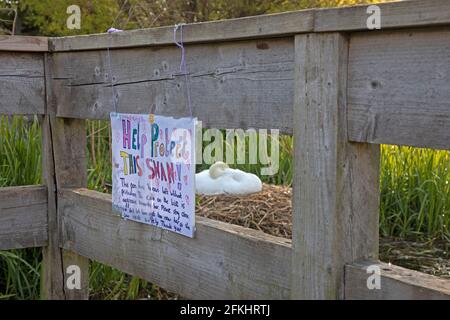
[
  {"x": 398, "y": 91},
  {"x": 396, "y": 283},
  {"x": 23, "y": 217},
  {"x": 52, "y": 278},
  {"x": 52, "y": 274},
  {"x": 21, "y": 83},
  {"x": 252, "y": 85},
  {"x": 271, "y": 25},
  {"x": 23, "y": 43},
  {"x": 223, "y": 261},
  {"x": 233, "y": 85},
  {"x": 399, "y": 14},
  {"x": 69, "y": 150},
  {"x": 64, "y": 161},
  {"x": 335, "y": 182}
]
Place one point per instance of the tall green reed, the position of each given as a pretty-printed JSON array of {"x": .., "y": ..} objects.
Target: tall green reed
[
  {"x": 20, "y": 164},
  {"x": 415, "y": 193},
  {"x": 20, "y": 151}
]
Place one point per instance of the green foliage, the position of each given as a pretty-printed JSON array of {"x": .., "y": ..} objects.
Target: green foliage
[
  {"x": 415, "y": 193},
  {"x": 111, "y": 284},
  {"x": 49, "y": 17},
  {"x": 20, "y": 151},
  {"x": 150, "y": 13},
  {"x": 7, "y": 19},
  {"x": 19, "y": 274},
  {"x": 99, "y": 163},
  {"x": 290, "y": 5},
  {"x": 20, "y": 164}
]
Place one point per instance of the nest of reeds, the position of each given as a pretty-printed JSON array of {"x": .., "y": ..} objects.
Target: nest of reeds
[{"x": 270, "y": 211}]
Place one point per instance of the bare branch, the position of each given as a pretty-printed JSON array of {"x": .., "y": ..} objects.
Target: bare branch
[
  {"x": 14, "y": 22},
  {"x": 5, "y": 31}
]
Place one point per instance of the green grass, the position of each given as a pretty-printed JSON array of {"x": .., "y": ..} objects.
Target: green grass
[
  {"x": 20, "y": 164},
  {"x": 19, "y": 274},
  {"x": 20, "y": 152},
  {"x": 414, "y": 186},
  {"x": 415, "y": 193}
]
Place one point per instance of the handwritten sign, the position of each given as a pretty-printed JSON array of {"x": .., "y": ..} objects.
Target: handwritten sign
[{"x": 154, "y": 170}]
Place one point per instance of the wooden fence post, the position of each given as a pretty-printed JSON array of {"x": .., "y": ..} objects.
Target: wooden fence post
[
  {"x": 64, "y": 166},
  {"x": 69, "y": 145},
  {"x": 336, "y": 183}
]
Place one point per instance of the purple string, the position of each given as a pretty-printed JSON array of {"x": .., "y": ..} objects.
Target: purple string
[
  {"x": 183, "y": 67},
  {"x": 112, "y": 30}
]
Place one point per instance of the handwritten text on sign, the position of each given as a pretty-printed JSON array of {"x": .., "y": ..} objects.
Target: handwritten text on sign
[{"x": 154, "y": 170}]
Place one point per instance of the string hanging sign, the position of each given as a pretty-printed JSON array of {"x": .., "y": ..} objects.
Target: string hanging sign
[
  {"x": 153, "y": 168},
  {"x": 183, "y": 66}
]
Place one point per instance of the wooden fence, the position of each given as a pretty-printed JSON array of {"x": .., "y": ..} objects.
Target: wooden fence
[{"x": 320, "y": 75}]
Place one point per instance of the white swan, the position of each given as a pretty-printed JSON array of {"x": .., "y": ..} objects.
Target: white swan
[{"x": 220, "y": 179}]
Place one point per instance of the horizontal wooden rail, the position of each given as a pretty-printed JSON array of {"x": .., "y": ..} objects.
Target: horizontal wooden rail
[
  {"x": 23, "y": 217},
  {"x": 398, "y": 88},
  {"x": 397, "y": 85},
  {"x": 22, "y": 83},
  {"x": 222, "y": 261},
  {"x": 398, "y": 14},
  {"x": 23, "y": 43},
  {"x": 264, "y": 26},
  {"x": 393, "y": 15},
  {"x": 233, "y": 84},
  {"x": 396, "y": 283}
]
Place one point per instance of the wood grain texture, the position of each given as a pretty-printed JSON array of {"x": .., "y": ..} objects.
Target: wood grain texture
[
  {"x": 398, "y": 91},
  {"x": 21, "y": 83},
  {"x": 335, "y": 193},
  {"x": 23, "y": 43},
  {"x": 271, "y": 25},
  {"x": 65, "y": 161},
  {"x": 223, "y": 261},
  {"x": 52, "y": 274},
  {"x": 23, "y": 217},
  {"x": 69, "y": 150},
  {"x": 396, "y": 283},
  {"x": 233, "y": 85},
  {"x": 399, "y": 14},
  {"x": 52, "y": 277}
]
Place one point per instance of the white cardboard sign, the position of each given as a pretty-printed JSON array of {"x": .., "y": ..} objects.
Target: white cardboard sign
[{"x": 153, "y": 170}]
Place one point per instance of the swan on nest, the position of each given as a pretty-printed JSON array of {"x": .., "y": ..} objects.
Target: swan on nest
[{"x": 221, "y": 179}]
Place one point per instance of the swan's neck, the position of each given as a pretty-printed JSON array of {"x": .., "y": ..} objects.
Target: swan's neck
[{"x": 217, "y": 169}]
